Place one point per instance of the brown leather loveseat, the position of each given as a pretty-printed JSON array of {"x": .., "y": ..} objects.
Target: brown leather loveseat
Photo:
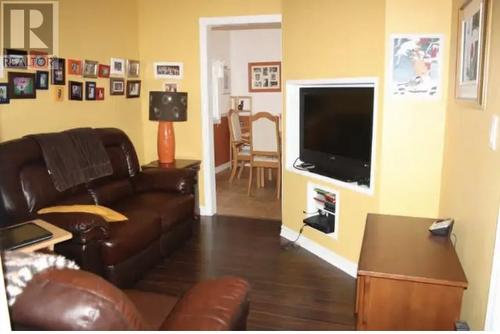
[
  {"x": 159, "y": 205},
  {"x": 77, "y": 300}
]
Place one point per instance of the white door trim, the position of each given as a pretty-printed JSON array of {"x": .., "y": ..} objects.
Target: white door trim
[
  {"x": 210, "y": 207},
  {"x": 492, "y": 322}
]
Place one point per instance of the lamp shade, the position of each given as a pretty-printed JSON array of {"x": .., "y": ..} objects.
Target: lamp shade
[{"x": 168, "y": 106}]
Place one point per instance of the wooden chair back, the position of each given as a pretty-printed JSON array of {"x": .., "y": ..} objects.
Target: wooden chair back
[{"x": 264, "y": 134}]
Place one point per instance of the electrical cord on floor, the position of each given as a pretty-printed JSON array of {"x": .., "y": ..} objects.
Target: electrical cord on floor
[{"x": 293, "y": 244}]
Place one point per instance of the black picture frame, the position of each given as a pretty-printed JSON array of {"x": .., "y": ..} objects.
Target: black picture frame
[
  {"x": 4, "y": 93},
  {"x": 75, "y": 91},
  {"x": 58, "y": 72},
  {"x": 22, "y": 85},
  {"x": 42, "y": 80},
  {"x": 116, "y": 86},
  {"x": 15, "y": 58},
  {"x": 90, "y": 91},
  {"x": 131, "y": 93}
]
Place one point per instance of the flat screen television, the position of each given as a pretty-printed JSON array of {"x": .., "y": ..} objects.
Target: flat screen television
[{"x": 336, "y": 127}]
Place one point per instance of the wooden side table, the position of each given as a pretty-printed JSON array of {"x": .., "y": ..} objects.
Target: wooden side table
[
  {"x": 408, "y": 279},
  {"x": 58, "y": 235},
  {"x": 182, "y": 164}
]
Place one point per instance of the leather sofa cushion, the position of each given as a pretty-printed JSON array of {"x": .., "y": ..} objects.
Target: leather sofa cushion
[
  {"x": 129, "y": 237},
  {"x": 39, "y": 190},
  {"x": 154, "y": 307},
  {"x": 106, "y": 191},
  {"x": 172, "y": 208}
]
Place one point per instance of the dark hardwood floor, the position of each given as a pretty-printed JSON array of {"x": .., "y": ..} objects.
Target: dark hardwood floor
[{"x": 291, "y": 289}]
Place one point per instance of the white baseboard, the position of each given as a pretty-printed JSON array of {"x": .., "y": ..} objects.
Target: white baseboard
[
  {"x": 205, "y": 212},
  {"x": 222, "y": 167},
  {"x": 338, "y": 261}
]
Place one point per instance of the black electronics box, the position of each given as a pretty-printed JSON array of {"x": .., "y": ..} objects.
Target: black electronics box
[{"x": 324, "y": 223}]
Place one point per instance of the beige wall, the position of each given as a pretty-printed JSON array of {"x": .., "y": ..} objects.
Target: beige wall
[
  {"x": 94, "y": 30},
  {"x": 471, "y": 177}
]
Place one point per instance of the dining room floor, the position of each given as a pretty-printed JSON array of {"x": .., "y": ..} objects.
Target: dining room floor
[{"x": 232, "y": 198}]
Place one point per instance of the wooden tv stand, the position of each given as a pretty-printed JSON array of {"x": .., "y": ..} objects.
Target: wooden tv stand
[{"x": 407, "y": 278}]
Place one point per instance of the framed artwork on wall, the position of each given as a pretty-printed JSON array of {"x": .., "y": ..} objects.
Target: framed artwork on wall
[
  {"x": 104, "y": 71},
  {"x": 264, "y": 77},
  {"x": 59, "y": 94},
  {"x": 117, "y": 67},
  {"x": 75, "y": 67},
  {"x": 4, "y": 93},
  {"x": 471, "y": 50},
  {"x": 116, "y": 86},
  {"x": 90, "y": 91},
  {"x": 170, "y": 86},
  {"x": 168, "y": 70},
  {"x": 17, "y": 59},
  {"x": 99, "y": 93},
  {"x": 42, "y": 80},
  {"x": 415, "y": 68},
  {"x": 75, "y": 91},
  {"x": 39, "y": 60},
  {"x": 133, "y": 88},
  {"x": 90, "y": 69},
  {"x": 133, "y": 68},
  {"x": 58, "y": 71},
  {"x": 22, "y": 85}
]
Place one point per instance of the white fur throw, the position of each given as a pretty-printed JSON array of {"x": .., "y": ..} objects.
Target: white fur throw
[{"x": 21, "y": 267}]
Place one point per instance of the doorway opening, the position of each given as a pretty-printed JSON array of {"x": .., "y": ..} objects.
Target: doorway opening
[{"x": 230, "y": 46}]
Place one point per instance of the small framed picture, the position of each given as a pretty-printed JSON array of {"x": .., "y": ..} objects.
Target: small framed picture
[
  {"x": 117, "y": 67},
  {"x": 264, "y": 77},
  {"x": 4, "y": 93},
  {"x": 58, "y": 71},
  {"x": 39, "y": 60},
  {"x": 133, "y": 88},
  {"x": 75, "y": 67},
  {"x": 116, "y": 86},
  {"x": 471, "y": 51},
  {"x": 17, "y": 59},
  {"x": 103, "y": 71},
  {"x": 170, "y": 87},
  {"x": 90, "y": 69},
  {"x": 133, "y": 68},
  {"x": 22, "y": 85},
  {"x": 168, "y": 70},
  {"x": 58, "y": 93},
  {"x": 75, "y": 91},
  {"x": 42, "y": 80},
  {"x": 90, "y": 91},
  {"x": 99, "y": 93}
]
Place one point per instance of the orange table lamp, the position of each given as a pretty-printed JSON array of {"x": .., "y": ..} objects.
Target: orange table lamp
[{"x": 167, "y": 107}]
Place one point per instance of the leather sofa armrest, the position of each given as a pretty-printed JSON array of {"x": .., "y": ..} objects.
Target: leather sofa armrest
[
  {"x": 171, "y": 180},
  {"x": 220, "y": 304},
  {"x": 67, "y": 299},
  {"x": 84, "y": 226}
]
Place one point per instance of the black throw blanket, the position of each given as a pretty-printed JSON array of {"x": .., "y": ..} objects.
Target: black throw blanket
[{"x": 74, "y": 157}]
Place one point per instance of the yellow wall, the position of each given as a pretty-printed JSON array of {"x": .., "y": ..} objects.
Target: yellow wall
[
  {"x": 413, "y": 130},
  {"x": 94, "y": 30},
  {"x": 471, "y": 178},
  {"x": 332, "y": 39},
  {"x": 169, "y": 31}
]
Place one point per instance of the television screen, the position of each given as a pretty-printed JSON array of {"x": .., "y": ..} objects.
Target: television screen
[{"x": 336, "y": 129}]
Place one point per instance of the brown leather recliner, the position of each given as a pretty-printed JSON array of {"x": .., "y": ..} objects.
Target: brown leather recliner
[
  {"x": 159, "y": 205},
  {"x": 78, "y": 300}
]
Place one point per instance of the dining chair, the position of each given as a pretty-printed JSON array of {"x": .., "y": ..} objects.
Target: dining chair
[
  {"x": 240, "y": 146},
  {"x": 265, "y": 148}
]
